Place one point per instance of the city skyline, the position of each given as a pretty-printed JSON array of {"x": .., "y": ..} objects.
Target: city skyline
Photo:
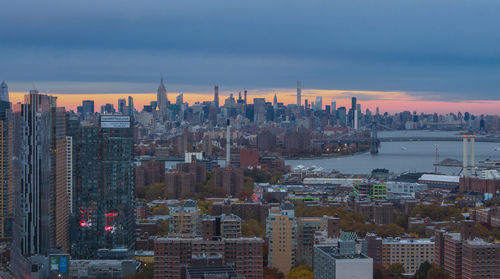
[{"x": 368, "y": 99}]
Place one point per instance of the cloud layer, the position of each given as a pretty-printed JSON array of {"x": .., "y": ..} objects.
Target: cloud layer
[{"x": 431, "y": 49}]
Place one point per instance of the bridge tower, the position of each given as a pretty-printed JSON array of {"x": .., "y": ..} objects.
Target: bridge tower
[{"x": 374, "y": 141}]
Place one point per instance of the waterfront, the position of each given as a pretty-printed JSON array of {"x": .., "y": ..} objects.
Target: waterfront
[{"x": 404, "y": 156}]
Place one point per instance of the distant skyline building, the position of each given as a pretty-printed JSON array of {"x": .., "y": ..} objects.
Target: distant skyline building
[
  {"x": 353, "y": 115},
  {"x": 216, "y": 96},
  {"x": 299, "y": 93},
  {"x": 333, "y": 107},
  {"x": 161, "y": 98},
  {"x": 4, "y": 92},
  {"x": 131, "y": 108},
  {"x": 318, "y": 104},
  {"x": 122, "y": 105},
  {"x": 88, "y": 107}
]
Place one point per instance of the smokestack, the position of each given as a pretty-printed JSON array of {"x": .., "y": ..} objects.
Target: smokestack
[
  {"x": 464, "y": 159},
  {"x": 472, "y": 154},
  {"x": 228, "y": 144}
]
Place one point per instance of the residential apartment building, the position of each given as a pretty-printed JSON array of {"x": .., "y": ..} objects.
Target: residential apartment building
[
  {"x": 281, "y": 231},
  {"x": 306, "y": 227},
  {"x": 171, "y": 255},
  {"x": 185, "y": 219},
  {"x": 411, "y": 253},
  {"x": 340, "y": 260}
]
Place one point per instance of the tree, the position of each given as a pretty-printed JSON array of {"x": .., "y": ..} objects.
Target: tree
[
  {"x": 160, "y": 210},
  {"x": 482, "y": 231},
  {"x": 396, "y": 270},
  {"x": 436, "y": 272},
  {"x": 163, "y": 228},
  {"x": 300, "y": 272},
  {"x": 253, "y": 227},
  {"x": 154, "y": 192},
  {"x": 423, "y": 270},
  {"x": 272, "y": 273}
]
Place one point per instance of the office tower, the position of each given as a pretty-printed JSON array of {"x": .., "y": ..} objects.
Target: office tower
[
  {"x": 104, "y": 187},
  {"x": 342, "y": 116},
  {"x": 299, "y": 93},
  {"x": 41, "y": 219},
  {"x": 333, "y": 107},
  {"x": 6, "y": 187},
  {"x": 88, "y": 107},
  {"x": 245, "y": 91},
  {"x": 161, "y": 98},
  {"x": 131, "y": 108},
  {"x": 4, "y": 92},
  {"x": 259, "y": 105},
  {"x": 275, "y": 102},
  {"x": 122, "y": 104},
  {"x": 180, "y": 99},
  {"x": 216, "y": 96},
  {"x": 353, "y": 109},
  {"x": 281, "y": 230},
  {"x": 318, "y": 103}
]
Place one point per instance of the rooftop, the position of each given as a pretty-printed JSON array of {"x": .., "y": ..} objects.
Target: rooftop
[{"x": 440, "y": 178}]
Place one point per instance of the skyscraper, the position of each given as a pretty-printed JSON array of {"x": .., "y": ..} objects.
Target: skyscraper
[
  {"x": 161, "y": 98},
  {"x": 319, "y": 103},
  {"x": 4, "y": 92},
  {"x": 88, "y": 107},
  {"x": 41, "y": 214},
  {"x": 216, "y": 96},
  {"x": 353, "y": 115},
  {"x": 299, "y": 93},
  {"x": 122, "y": 104},
  {"x": 104, "y": 186},
  {"x": 333, "y": 107},
  {"x": 6, "y": 210},
  {"x": 131, "y": 108}
]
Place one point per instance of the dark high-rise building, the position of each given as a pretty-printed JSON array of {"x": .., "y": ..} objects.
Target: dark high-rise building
[
  {"x": 88, "y": 107},
  {"x": 122, "y": 105},
  {"x": 342, "y": 116},
  {"x": 216, "y": 96},
  {"x": 131, "y": 108},
  {"x": 104, "y": 187},
  {"x": 41, "y": 213},
  {"x": 6, "y": 209}
]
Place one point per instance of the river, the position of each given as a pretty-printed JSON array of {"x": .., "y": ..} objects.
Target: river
[{"x": 399, "y": 157}]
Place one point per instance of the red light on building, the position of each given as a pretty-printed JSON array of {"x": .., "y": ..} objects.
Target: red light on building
[
  {"x": 112, "y": 214},
  {"x": 83, "y": 223},
  {"x": 108, "y": 228}
]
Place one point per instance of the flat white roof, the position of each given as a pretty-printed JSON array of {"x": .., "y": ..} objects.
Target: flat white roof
[{"x": 440, "y": 178}]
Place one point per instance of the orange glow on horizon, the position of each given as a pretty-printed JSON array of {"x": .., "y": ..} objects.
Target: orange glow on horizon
[{"x": 391, "y": 102}]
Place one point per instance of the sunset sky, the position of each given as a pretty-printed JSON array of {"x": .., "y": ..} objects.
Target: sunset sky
[{"x": 424, "y": 55}]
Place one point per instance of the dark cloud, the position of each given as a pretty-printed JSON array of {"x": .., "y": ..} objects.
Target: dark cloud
[{"x": 445, "y": 47}]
